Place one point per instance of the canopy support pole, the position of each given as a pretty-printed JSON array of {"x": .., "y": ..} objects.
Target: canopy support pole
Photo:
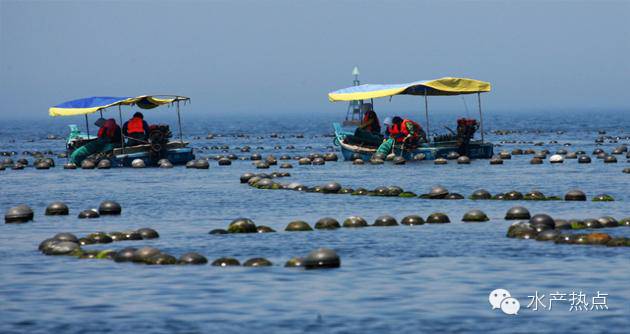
[
  {"x": 101, "y": 111},
  {"x": 87, "y": 126},
  {"x": 122, "y": 135},
  {"x": 426, "y": 113},
  {"x": 179, "y": 123},
  {"x": 480, "y": 117}
]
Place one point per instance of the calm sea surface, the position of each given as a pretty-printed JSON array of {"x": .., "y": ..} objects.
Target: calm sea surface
[{"x": 429, "y": 278}]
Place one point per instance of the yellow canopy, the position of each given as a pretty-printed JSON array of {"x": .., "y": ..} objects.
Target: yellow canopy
[
  {"x": 443, "y": 86},
  {"x": 93, "y": 104}
]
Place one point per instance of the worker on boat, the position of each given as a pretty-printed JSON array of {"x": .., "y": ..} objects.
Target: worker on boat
[
  {"x": 370, "y": 122},
  {"x": 391, "y": 126},
  {"x": 403, "y": 132},
  {"x": 136, "y": 130},
  {"x": 369, "y": 132},
  {"x": 109, "y": 137}
]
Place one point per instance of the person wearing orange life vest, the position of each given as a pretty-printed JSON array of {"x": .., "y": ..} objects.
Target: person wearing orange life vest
[
  {"x": 136, "y": 130},
  {"x": 402, "y": 131}
]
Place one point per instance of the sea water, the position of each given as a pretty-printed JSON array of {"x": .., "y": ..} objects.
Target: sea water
[{"x": 428, "y": 278}]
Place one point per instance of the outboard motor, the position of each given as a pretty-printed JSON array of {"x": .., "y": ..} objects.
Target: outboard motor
[
  {"x": 466, "y": 128},
  {"x": 159, "y": 134}
]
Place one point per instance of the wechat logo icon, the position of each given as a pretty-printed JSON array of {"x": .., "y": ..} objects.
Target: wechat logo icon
[{"x": 502, "y": 299}]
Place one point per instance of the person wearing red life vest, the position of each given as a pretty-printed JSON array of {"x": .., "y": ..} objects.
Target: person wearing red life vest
[{"x": 136, "y": 130}]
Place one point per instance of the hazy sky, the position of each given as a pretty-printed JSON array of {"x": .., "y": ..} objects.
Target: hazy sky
[{"x": 242, "y": 57}]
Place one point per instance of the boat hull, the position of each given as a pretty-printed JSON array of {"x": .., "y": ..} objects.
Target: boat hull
[
  {"x": 177, "y": 156},
  {"x": 476, "y": 149}
]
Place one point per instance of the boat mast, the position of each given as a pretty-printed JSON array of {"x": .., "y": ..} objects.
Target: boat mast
[
  {"x": 480, "y": 117},
  {"x": 179, "y": 122},
  {"x": 122, "y": 135},
  {"x": 426, "y": 112},
  {"x": 87, "y": 127}
]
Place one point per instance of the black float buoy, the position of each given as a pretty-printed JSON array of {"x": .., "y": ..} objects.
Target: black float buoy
[
  {"x": 257, "y": 262},
  {"x": 481, "y": 194},
  {"x": 517, "y": 212},
  {"x": 584, "y": 159},
  {"x": 440, "y": 161},
  {"x": 109, "y": 208},
  {"x": 521, "y": 230},
  {"x": 242, "y": 225},
  {"x": 438, "y": 192},
  {"x": 132, "y": 235},
  {"x": 496, "y": 161},
  {"x": 245, "y": 177},
  {"x": 385, "y": 221},
  {"x": 192, "y": 258},
  {"x": 88, "y": 164},
  {"x": 575, "y": 195},
  {"x": 547, "y": 235},
  {"x": 603, "y": 198},
  {"x": 331, "y": 188},
  {"x": 201, "y": 164},
  {"x": 438, "y": 218},
  {"x": 143, "y": 254},
  {"x": 57, "y": 209},
  {"x": 69, "y": 165},
  {"x": 104, "y": 164},
  {"x": 412, "y": 220},
  {"x": 298, "y": 225},
  {"x": 138, "y": 163},
  {"x": 463, "y": 160},
  {"x": 218, "y": 231},
  {"x": 225, "y": 262},
  {"x": 327, "y": 223},
  {"x": 161, "y": 259},
  {"x": 452, "y": 155},
  {"x": 148, "y": 233},
  {"x": 321, "y": 259},
  {"x": 295, "y": 262},
  {"x": 66, "y": 237},
  {"x": 19, "y": 214},
  {"x": 264, "y": 229},
  {"x": 62, "y": 248},
  {"x": 542, "y": 220},
  {"x": 354, "y": 221},
  {"x": 475, "y": 216}
]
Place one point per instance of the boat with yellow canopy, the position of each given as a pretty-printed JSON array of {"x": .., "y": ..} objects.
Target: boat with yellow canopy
[
  {"x": 461, "y": 141},
  {"x": 158, "y": 144}
]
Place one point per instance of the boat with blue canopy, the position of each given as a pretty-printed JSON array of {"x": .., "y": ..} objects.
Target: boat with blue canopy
[
  {"x": 440, "y": 146},
  {"x": 158, "y": 144}
]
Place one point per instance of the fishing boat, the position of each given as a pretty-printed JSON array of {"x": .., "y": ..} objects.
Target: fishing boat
[
  {"x": 159, "y": 144},
  {"x": 461, "y": 141}
]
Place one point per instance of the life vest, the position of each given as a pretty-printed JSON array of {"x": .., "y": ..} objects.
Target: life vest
[
  {"x": 405, "y": 131},
  {"x": 375, "y": 127},
  {"x": 395, "y": 133},
  {"x": 135, "y": 125},
  {"x": 109, "y": 129}
]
